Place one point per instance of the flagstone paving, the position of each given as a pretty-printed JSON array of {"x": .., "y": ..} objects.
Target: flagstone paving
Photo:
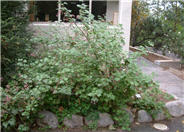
[{"x": 167, "y": 81}]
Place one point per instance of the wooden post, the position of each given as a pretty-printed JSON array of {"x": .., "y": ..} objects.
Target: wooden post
[{"x": 31, "y": 15}]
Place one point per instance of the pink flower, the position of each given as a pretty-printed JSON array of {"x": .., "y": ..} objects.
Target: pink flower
[
  {"x": 8, "y": 86},
  {"x": 26, "y": 85},
  {"x": 32, "y": 54},
  {"x": 8, "y": 99},
  {"x": 17, "y": 89}
]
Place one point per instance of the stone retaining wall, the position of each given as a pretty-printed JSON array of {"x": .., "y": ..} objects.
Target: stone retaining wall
[{"x": 174, "y": 108}]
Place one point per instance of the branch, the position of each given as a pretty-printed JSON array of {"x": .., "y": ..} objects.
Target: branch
[{"x": 82, "y": 32}]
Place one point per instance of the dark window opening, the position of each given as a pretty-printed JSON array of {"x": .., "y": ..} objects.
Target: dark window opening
[
  {"x": 48, "y": 10},
  {"x": 72, "y": 5},
  {"x": 99, "y": 9}
]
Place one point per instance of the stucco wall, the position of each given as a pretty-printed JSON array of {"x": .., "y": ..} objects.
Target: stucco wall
[
  {"x": 125, "y": 11},
  {"x": 123, "y": 8},
  {"x": 112, "y": 6}
]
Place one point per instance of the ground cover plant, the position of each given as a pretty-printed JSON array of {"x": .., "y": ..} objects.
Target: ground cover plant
[{"x": 84, "y": 71}]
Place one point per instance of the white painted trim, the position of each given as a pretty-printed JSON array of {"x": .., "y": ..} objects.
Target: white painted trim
[
  {"x": 90, "y": 6},
  {"x": 59, "y": 10}
]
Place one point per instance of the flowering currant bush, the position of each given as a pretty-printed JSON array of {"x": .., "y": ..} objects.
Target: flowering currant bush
[{"x": 81, "y": 71}]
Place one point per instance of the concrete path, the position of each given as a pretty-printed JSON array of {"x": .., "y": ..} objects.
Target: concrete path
[
  {"x": 174, "y": 125},
  {"x": 167, "y": 81}
]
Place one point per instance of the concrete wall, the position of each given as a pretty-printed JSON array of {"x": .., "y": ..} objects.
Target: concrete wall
[
  {"x": 123, "y": 9},
  {"x": 125, "y": 12},
  {"x": 112, "y": 6}
]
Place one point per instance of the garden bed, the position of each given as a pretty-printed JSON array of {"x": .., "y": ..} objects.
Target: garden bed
[
  {"x": 151, "y": 56},
  {"x": 105, "y": 121},
  {"x": 79, "y": 123}
]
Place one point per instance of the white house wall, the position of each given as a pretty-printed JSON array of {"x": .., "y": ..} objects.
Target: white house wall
[
  {"x": 125, "y": 13},
  {"x": 123, "y": 8},
  {"x": 112, "y": 6}
]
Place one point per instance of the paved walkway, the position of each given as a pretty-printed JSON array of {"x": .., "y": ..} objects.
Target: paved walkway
[
  {"x": 174, "y": 125},
  {"x": 168, "y": 81}
]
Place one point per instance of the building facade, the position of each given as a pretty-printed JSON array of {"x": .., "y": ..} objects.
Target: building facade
[{"x": 113, "y": 11}]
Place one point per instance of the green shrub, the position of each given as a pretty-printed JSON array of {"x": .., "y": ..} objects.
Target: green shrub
[
  {"x": 15, "y": 39},
  {"x": 121, "y": 119},
  {"x": 152, "y": 100},
  {"x": 78, "y": 73},
  {"x": 149, "y": 103}
]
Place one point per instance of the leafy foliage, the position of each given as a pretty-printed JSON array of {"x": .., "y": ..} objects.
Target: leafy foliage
[
  {"x": 140, "y": 13},
  {"x": 15, "y": 39},
  {"x": 82, "y": 71},
  {"x": 124, "y": 121},
  {"x": 162, "y": 27}
]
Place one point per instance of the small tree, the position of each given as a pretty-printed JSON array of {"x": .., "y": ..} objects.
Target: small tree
[{"x": 163, "y": 27}]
